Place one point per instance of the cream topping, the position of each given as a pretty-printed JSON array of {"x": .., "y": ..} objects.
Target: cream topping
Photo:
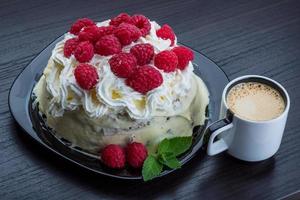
[{"x": 111, "y": 93}]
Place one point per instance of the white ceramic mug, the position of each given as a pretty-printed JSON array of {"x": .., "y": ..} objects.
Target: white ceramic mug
[{"x": 245, "y": 139}]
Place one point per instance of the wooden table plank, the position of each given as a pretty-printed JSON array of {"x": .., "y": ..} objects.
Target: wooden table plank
[{"x": 242, "y": 37}]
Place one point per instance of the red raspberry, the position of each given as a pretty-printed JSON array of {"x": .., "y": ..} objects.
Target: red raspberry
[
  {"x": 108, "y": 45},
  {"x": 166, "y": 60},
  {"x": 136, "y": 154},
  {"x": 184, "y": 55},
  {"x": 127, "y": 33},
  {"x": 86, "y": 76},
  {"x": 90, "y": 33},
  {"x": 70, "y": 46},
  {"x": 143, "y": 53},
  {"x": 166, "y": 32},
  {"x": 79, "y": 24},
  {"x": 113, "y": 156},
  {"x": 123, "y": 64},
  {"x": 105, "y": 30},
  {"x": 145, "y": 79},
  {"x": 123, "y": 17},
  {"x": 84, "y": 51},
  {"x": 142, "y": 23}
]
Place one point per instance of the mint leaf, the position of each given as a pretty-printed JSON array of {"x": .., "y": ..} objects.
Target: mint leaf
[
  {"x": 166, "y": 154},
  {"x": 171, "y": 162},
  {"x": 162, "y": 158},
  {"x": 151, "y": 168},
  {"x": 177, "y": 145},
  {"x": 163, "y": 146}
]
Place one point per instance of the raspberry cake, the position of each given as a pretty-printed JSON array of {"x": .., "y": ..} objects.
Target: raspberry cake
[{"x": 119, "y": 81}]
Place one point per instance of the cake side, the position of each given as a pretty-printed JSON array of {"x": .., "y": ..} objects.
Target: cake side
[
  {"x": 92, "y": 134},
  {"x": 114, "y": 110}
]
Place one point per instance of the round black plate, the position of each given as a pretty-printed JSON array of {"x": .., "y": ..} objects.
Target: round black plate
[{"x": 21, "y": 109}]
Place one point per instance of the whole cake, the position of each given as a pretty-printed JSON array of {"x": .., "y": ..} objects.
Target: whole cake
[{"x": 121, "y": 80}]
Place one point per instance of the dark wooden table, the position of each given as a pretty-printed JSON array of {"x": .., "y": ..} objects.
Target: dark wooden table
[{"x": 242, "y": 37}]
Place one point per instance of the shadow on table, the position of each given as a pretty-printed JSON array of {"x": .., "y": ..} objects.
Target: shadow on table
[
  {"x": 102, "y": 184},
  {"x": 230, "y": 174}
]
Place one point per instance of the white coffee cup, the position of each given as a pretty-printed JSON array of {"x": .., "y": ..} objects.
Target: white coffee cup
[{"x": 246, "y": 139}]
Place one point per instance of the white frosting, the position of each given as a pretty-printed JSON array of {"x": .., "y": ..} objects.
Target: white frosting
[{"x": 67, "y": 95}]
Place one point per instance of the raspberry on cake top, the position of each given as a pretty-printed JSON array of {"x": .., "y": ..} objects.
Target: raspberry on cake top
[{"x": 127, "y": 65}]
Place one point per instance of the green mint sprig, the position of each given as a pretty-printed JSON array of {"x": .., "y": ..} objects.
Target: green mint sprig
[{"x": 166, "y": 156}]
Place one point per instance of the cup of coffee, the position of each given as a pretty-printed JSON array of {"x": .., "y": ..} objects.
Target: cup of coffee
[{"x": 253, "y": 115}]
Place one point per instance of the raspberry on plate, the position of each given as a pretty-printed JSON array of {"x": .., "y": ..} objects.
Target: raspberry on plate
[
  {"x": 70, "y": 46},
  {"x": 113, "y": 156},
  {"x": 90, "y": 33},
  {"x": 184, "y": 55},
  {"x": 86, "y": 76},
  {"x": 127, "y": 33},
  {"x": 108, "y": 45},
  {"x": 166, "y": 32},
  {"x": 123, "y": 64},
  {"x": 84, "y": 51},
  {"x": 142, "y": 23},
  {"x": 166, "y": 60},
  {"x": 136, "y": 154},
  {"x": 122, "y": 17},
  {"x": 143, "y": 53},
  {"x": 144, "y": 79},
  {"x": 79, "y": 24}
]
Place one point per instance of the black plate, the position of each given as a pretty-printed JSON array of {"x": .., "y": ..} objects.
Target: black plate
[{"x": 28, "y": 118}]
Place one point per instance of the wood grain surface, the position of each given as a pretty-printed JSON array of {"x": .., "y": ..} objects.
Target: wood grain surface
[{"x": 242, "y": 37}]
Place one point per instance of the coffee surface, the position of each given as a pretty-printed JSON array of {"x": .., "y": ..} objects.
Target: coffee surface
[{"x": 255, "y": 101}]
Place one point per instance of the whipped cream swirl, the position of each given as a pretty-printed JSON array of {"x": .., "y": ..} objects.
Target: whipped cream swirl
[{"x": 111, "y": 95}]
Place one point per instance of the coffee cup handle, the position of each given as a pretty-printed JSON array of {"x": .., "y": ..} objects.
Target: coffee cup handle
[{"x": 215, "y": 147}]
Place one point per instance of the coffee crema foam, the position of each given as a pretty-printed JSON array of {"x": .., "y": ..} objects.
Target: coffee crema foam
[{"x": 255, "y": 101}]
